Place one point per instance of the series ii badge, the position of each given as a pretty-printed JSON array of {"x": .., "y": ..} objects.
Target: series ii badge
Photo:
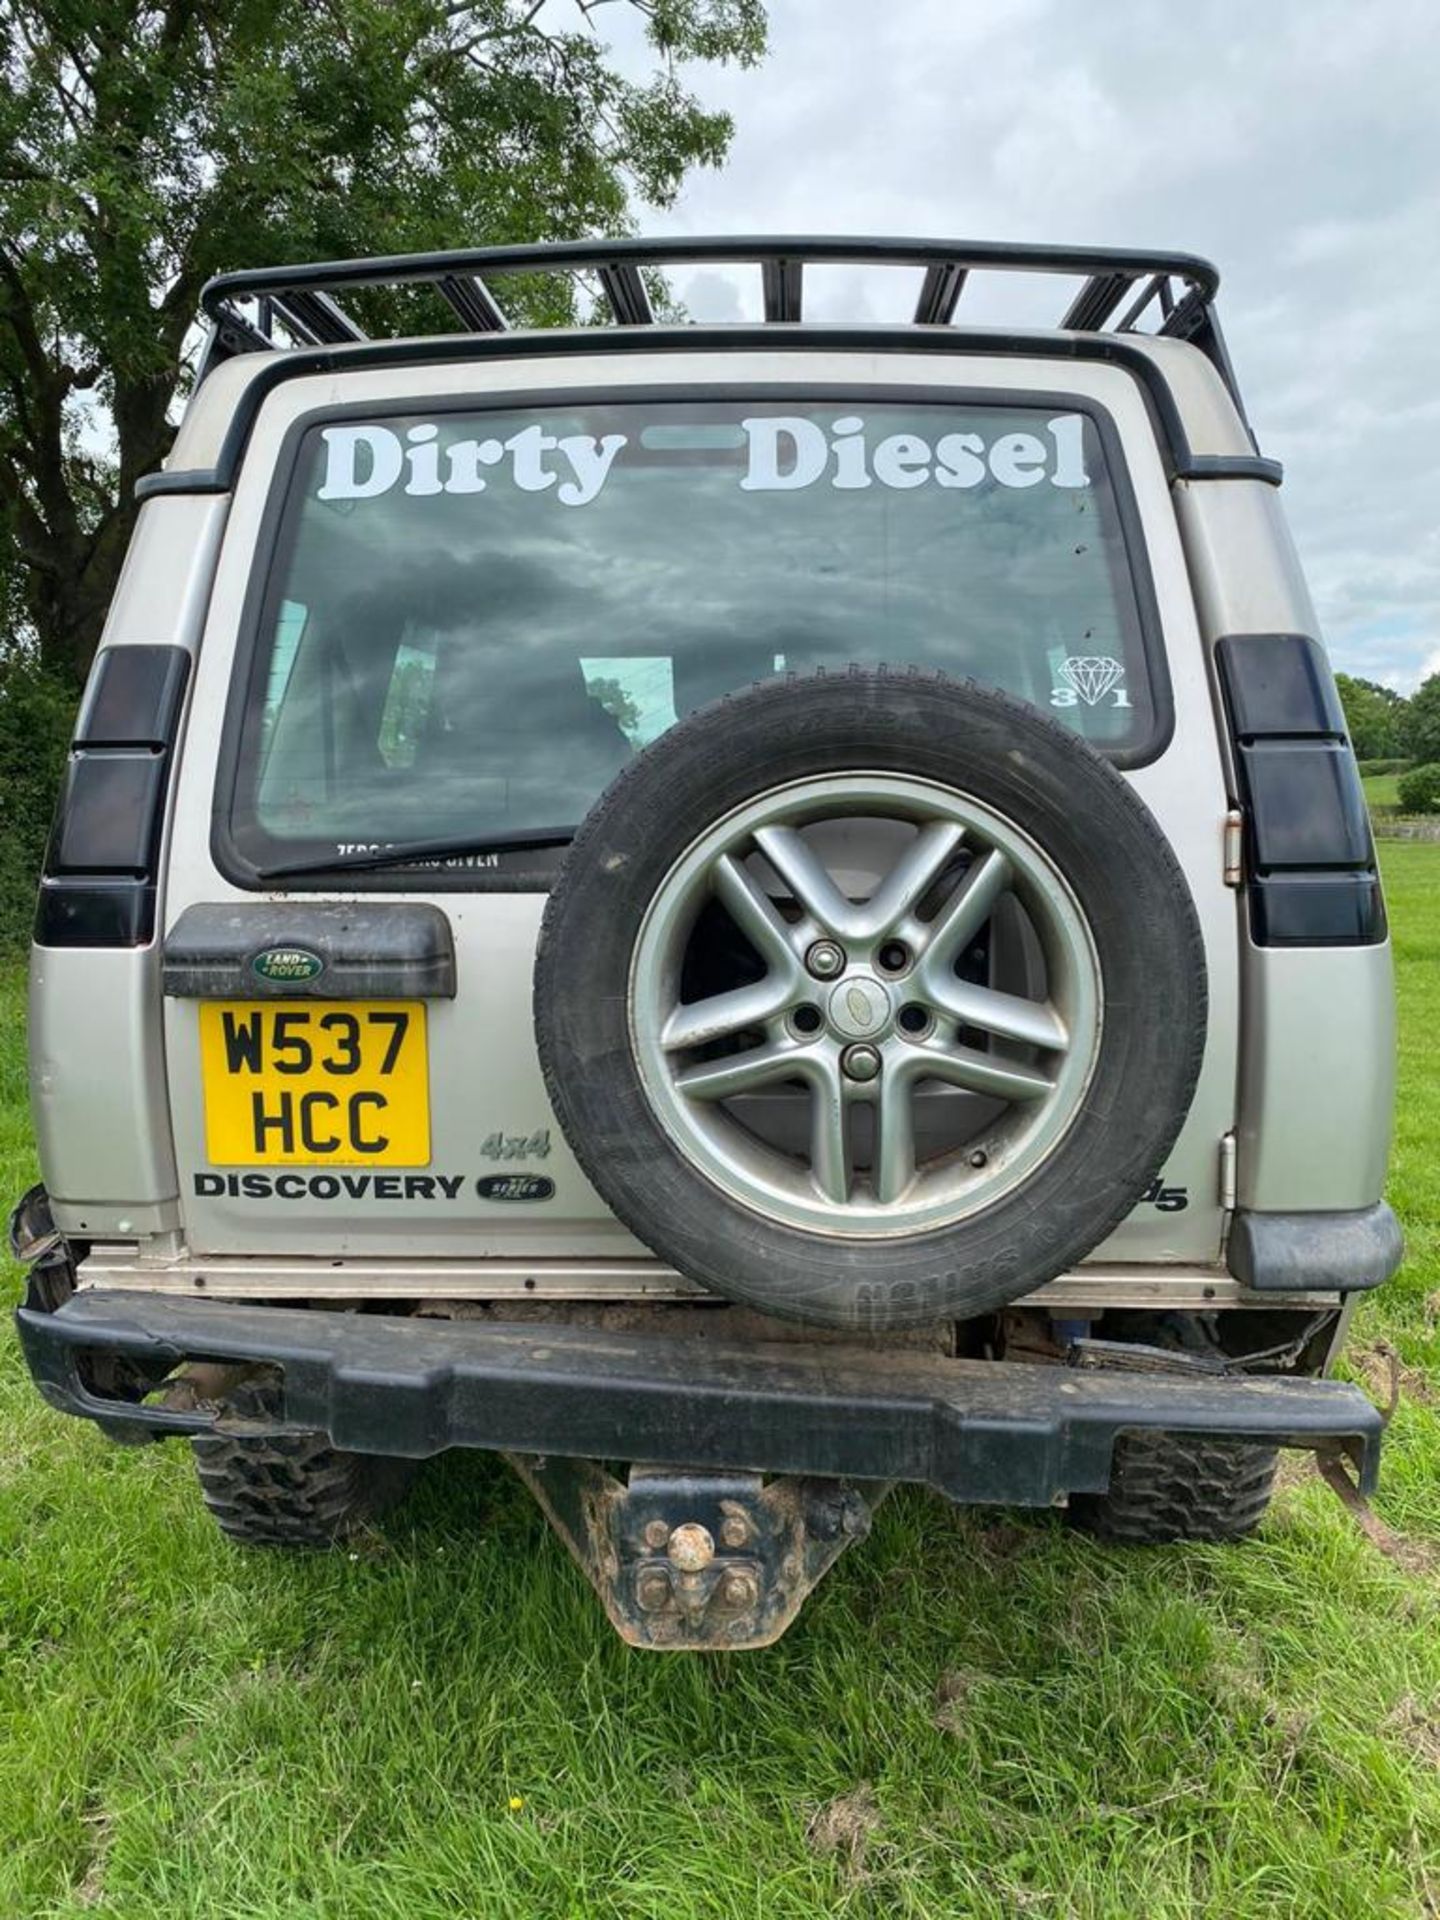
[
  {"x": 284, "y": 965},
  {"x": 515, "y": 1186}
]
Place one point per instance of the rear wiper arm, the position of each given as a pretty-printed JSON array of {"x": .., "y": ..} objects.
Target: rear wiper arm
[{"x": 522, "y": 840}]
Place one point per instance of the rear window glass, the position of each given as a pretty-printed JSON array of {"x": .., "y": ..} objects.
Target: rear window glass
[{"x": 473, "y": 620}]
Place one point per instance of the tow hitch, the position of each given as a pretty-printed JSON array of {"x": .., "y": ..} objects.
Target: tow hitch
[
  {"x": 716, "y": 1552},
  {"x": 691, "y": 1560}
]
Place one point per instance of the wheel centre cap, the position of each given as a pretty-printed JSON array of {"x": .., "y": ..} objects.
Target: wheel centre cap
[{"x": 859, "y": 1008}]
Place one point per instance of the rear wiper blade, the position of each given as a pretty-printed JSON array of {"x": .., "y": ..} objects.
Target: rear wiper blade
[{"x": 416, "y": 852}]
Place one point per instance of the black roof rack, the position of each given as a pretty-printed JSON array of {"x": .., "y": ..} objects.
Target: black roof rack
[{"x": 1176, "y": 290}]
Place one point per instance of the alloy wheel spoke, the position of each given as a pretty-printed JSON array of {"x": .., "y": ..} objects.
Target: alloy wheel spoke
[
  {"x": 753, "y": 912},
  {"x": 829, "y": 1134},
  {"x": 1030, "y": 1023},
  {"x": 804, "y": 873},
  {"x": 736, "y": 1073},
  {"x": 968, "y": 909},
  {"x": 724, "y": 1014},
  {"x": 913, "y": 874},
  {"x": 984, "y": 1073},
  {"x": 894, "y": 1135}
]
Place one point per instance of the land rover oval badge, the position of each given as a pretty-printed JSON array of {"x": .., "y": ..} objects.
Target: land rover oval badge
[{"x": 283, "y": 966}]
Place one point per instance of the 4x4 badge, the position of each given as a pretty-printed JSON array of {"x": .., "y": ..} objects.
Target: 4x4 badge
[{"x": 281, "y": 964}]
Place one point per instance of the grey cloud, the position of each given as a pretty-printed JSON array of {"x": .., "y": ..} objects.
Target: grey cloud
[{"x": 1295, "y": 142}]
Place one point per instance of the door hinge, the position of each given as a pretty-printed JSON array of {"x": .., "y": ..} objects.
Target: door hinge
[
  {"x": 1227, "y": 1172},
  {"x": 1234, "y": 847}
]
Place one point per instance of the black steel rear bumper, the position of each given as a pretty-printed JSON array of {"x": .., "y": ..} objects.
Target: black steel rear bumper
[{"x": 977, "y": 1431}]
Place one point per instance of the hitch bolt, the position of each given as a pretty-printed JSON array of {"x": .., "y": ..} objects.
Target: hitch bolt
[
  {"x": 691, "y": 1547},
  {"x": 825, "y": 960},
  {"x": 734, "y": 1531},
  {"x": 860, "y": 1063},
  {"x": 656, "y": 1534},
  {"x": 652, "y": 1590},
  {"x": 739, "y": 1588}
]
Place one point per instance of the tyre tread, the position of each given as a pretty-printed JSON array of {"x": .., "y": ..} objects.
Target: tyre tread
[
  {"x": 291, "y": 1489},
  {"x": 1170, "y": 1487}
]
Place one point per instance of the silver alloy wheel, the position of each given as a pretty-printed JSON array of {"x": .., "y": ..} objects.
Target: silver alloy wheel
[{"x": 897, "y": 996}]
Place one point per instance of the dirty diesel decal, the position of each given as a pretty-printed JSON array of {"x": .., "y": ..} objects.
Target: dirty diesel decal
[{"x": 784, "y": 453}]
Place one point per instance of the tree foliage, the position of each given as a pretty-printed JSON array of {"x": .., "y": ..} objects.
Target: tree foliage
[
  {"x": 1422, "y": 722},
  {"x": 35, "y": 716},
  {"x": 148, "y": 144},
  {"x": 1375, "y": 717},
  {"x": 1419, "y": 790}
]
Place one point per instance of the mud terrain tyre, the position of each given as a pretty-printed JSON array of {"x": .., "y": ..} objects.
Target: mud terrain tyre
[
  {"x": 1011, "y": 800},
  {"x": 292, "y": 1489},
  {"x": 1167, "y": 1487}
]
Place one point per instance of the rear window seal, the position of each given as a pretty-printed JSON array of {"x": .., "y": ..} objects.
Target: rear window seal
[{"x": 271, "y": 549}]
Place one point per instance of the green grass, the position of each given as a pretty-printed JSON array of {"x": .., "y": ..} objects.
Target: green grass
[
  {"x": 1382, "y": 790},
  {"x": 977, "y": 1714}
]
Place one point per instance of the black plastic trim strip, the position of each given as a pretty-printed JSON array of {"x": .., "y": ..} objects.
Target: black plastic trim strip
[
  {"x": 1279, "y": 684},
  {"x": 1233, "y": 466},
  {"x": 1294, "y": 1252},
  {"x": 975, "y": 1430},
  {"x": 1316, "y": 909},
  {"x": 1311, "y": 877},
  {"x": 150, "y": 486},
  {"x": 366, "y": 951},
  {"x": 108, "y": 817},
  {"x": 133, "y": 697},
  {"x": 94, "y": 913},
  {"x": 1305, "y": 807},
  {"x": 99, "y": 880},
  {"x": 297, "y": 363}
]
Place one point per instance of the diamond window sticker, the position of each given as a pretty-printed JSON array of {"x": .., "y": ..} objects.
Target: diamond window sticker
[{"x": 1089, "y": 677}]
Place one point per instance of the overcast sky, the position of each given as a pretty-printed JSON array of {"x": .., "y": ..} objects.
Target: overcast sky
[{"x": 1295, "y": 142}]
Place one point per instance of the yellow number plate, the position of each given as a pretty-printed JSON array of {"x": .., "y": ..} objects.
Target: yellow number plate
[{"x": 307, "y": 1083}]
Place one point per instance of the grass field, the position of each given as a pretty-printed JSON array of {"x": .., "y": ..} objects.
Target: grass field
[
  {"x": 1382, "y": 790},
  {"x": 978, "y": 1713}
]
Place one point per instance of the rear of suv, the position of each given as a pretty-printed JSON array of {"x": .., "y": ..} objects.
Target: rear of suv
[{"x": 785, "y": 905}]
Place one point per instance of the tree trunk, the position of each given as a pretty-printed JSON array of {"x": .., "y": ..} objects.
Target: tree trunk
[{"x": 71, "y": 571}]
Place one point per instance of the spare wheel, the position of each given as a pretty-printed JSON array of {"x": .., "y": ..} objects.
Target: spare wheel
[{"x": 870, "y": 1000}]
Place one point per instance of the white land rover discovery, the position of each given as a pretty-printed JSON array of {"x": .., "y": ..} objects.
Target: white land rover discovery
[{"x": 787, "y": 903}]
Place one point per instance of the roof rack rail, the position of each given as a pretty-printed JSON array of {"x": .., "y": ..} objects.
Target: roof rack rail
[{"x": 304, "y": 302}]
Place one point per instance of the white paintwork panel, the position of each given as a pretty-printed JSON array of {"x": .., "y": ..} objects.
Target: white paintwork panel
[
  {"x": 109, "y": 1173},
  {"x": 1317, "y": 1085},
  {"x": 484, "y": 1071}
]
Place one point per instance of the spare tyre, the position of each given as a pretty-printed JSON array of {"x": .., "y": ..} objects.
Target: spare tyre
[{"x": 870, "y": 999}]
